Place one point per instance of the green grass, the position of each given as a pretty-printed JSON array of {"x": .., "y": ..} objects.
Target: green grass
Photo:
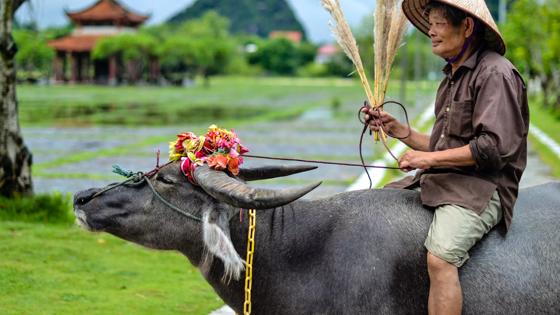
[
  {"x": 52, "y": 269},
  {"x": 55, "y": 208},
  {"x": 547, "y": 120},
  {"x": 549, "y": 123},
  {"x": 551, "y": 159}
]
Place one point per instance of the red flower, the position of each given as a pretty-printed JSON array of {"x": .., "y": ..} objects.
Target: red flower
[
  {"x": 187, "y": 168},
  {"x": 242, "y": 149}
]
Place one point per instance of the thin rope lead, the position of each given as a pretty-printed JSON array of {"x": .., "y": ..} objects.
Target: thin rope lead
[
  {"x": 379, "y": 124},
  {"x": 277, "y": 158}
]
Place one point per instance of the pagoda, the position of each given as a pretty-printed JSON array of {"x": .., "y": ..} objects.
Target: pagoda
[{"x": 102, "y": 19}]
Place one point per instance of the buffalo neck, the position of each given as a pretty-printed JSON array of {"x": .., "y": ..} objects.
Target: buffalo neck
[{"x": 293, "y": 234}]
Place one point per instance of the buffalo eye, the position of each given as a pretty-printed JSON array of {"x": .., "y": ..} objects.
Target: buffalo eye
[{"x": 164, "y": 179}]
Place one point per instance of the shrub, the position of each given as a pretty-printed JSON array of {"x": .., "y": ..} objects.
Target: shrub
[
  {"x": 313, "y": 70},
  {"x": 54, "y": 208}
]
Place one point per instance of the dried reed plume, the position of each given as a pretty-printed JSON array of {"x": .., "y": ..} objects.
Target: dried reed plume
[
  {"x": 389, "y": 27},
  {"x": 345, "y": 39}
]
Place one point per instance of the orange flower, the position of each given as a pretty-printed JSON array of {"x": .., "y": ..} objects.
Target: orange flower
[
  {"x": 217, "y": 161},
  {"x": 233, "y": 166}
]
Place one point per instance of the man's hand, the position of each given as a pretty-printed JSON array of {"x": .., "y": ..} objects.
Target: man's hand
[
  {"x": 456, "y": 157},
  {"x": 391, "y": 125},
  {"x": 412, "y": 160}
]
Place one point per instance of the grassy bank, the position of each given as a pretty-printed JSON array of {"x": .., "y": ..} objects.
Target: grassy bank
[
  {"x": 549, "y": 123},
  {"x": 55, "y": 269}
]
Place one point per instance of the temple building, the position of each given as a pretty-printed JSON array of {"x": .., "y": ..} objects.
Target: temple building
[{"x": 73, "y": 62}]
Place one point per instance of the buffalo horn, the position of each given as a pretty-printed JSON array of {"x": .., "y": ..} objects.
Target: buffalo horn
[
  {"x": 236, "y": 193},
  {"x": 266, "y": 172}
]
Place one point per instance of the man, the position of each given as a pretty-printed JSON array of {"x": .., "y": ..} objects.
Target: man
[{"x": 470, "y": 166}]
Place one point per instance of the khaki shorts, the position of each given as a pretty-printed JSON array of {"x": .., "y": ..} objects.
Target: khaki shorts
[{"x": 455, "y": 230}]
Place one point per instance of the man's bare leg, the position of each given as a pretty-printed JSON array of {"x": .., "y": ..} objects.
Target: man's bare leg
[{"x": 445, "y": 289}]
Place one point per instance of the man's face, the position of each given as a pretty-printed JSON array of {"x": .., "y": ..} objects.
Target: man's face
[{"x": 447, "y": 40}]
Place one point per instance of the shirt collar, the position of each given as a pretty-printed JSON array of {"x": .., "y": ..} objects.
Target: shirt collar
[{"x": 470, "y": 63}]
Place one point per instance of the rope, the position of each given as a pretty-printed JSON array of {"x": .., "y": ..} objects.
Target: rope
[
  {"x": 318, "y": 161},
  {"x": 379, "y": 124},
  {"x": 170, "y": 205},
  {"x": 139, "y": 177},
  {"x": 120, "y": 171}
]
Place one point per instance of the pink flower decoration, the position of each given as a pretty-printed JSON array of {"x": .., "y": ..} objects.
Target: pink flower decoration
[{"x": 221, "y": 150}]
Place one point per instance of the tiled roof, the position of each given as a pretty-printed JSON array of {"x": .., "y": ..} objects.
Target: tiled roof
[
  {"x": 293, "y": 36},
  {"x": 107, "y": 10},
  {"x": 328, "y": 49},
  {"x": 82, "y": 43}
]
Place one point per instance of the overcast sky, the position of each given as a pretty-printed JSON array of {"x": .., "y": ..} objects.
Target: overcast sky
[{"x": 310, "y": 13}]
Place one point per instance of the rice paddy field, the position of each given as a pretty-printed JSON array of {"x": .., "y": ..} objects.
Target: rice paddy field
[{"x": 76, "y": 133}]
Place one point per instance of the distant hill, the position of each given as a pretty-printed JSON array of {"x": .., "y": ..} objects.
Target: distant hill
[{"x": 258, "y": 17}]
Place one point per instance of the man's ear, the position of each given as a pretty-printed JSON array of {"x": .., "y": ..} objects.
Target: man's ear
[{"x": 468, "y": 24}]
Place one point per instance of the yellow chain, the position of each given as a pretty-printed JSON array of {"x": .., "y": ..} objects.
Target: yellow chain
[{"x": 249, "y": 266}]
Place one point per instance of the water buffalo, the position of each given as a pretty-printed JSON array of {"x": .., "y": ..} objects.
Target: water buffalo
[{"x": 357, "y": 252}]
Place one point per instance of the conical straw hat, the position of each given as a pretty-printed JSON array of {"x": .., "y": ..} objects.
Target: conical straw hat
[{"x": 414, "y": 11}]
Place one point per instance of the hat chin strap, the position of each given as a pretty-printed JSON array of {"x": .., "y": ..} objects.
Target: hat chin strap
[{"x": 462, "y": 52}]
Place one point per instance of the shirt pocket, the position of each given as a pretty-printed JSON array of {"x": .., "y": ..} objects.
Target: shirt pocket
[{"x": 460, "y": 119}]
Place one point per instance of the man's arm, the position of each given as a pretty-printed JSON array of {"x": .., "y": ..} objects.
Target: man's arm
[
  {"x": 417, "y": 141},
  {"x": 456, "y": 157}
]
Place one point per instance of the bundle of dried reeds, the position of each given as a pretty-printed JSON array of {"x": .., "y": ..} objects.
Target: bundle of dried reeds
[
  {"x": 388, "y": 30},
  {"x": 345, "y": 39}
]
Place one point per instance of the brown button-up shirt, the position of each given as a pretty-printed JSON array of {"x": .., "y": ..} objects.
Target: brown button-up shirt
[{"x": 482, "y": 105}]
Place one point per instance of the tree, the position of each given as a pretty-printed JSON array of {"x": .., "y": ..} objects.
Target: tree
[
  {"x": 198, "y": 47},
  {"x": 34, "y": 57},
  {"x": 533, "y": 45},
  {"x": 15, "y": 158},
  {"x": 136, "y": 51}
]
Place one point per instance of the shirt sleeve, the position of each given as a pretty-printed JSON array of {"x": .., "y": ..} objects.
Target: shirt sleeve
[{"x": 497, "y": 121}]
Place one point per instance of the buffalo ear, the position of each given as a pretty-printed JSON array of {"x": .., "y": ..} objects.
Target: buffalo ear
[{"x": 217, "y": 241}]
